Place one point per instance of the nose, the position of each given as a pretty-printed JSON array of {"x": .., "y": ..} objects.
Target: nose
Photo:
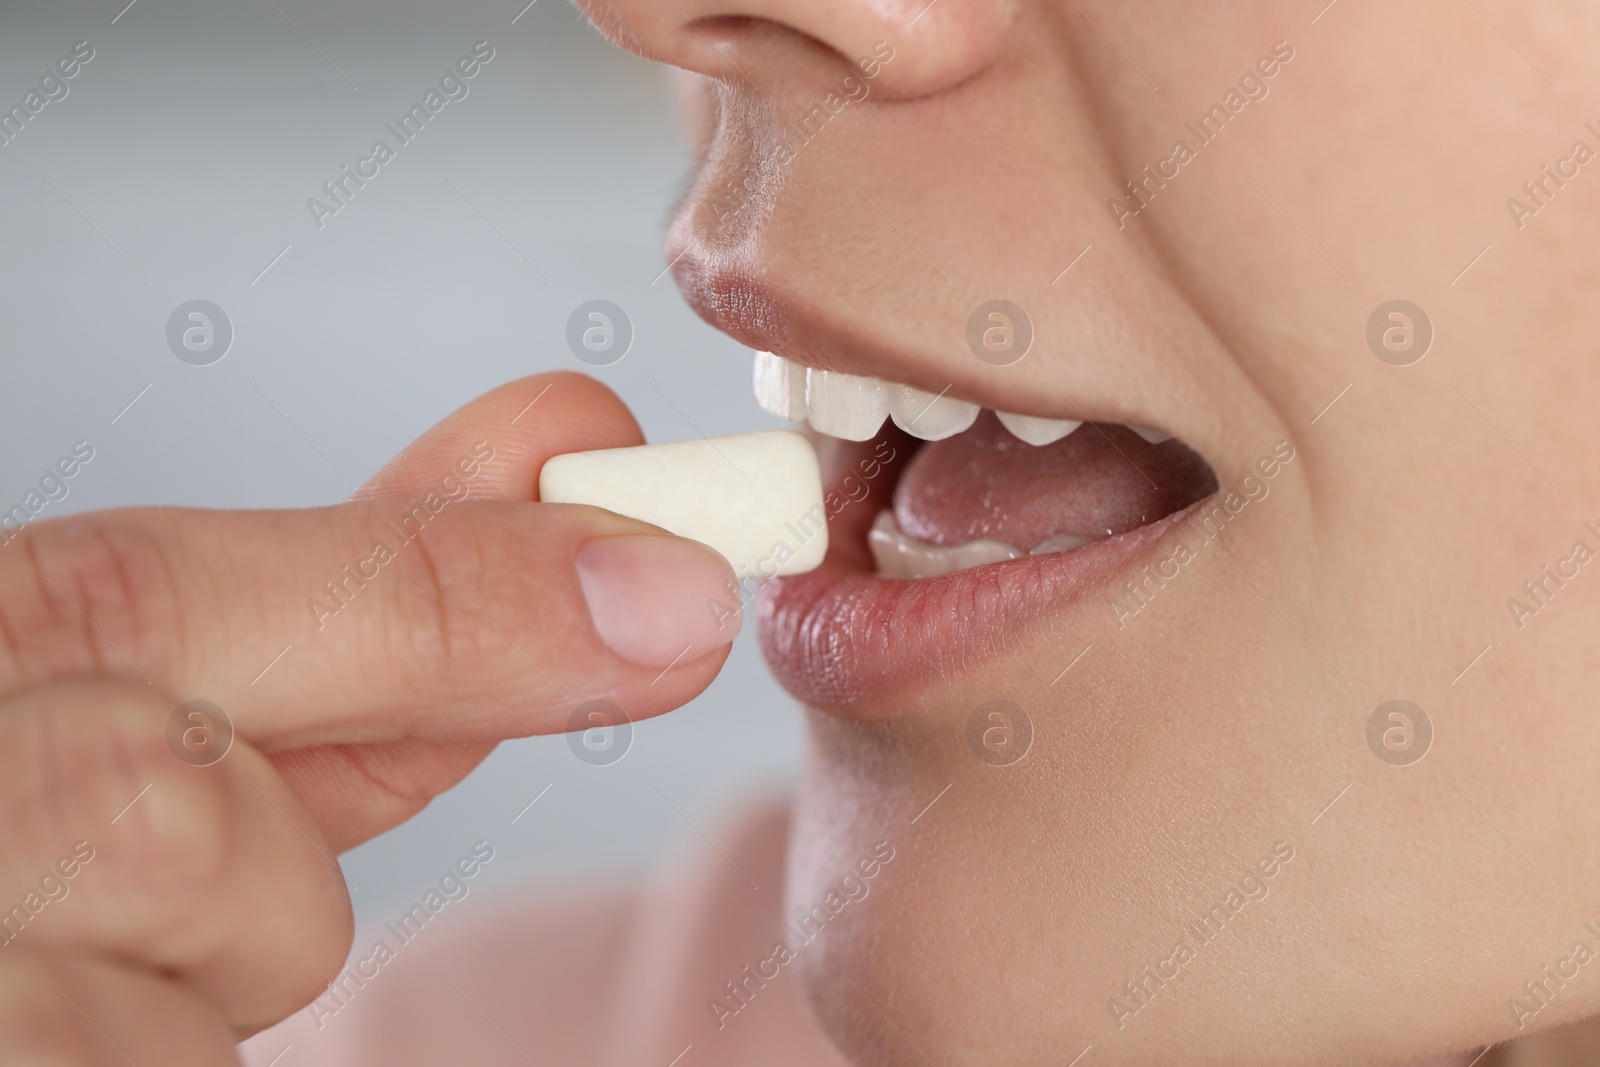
[{"x": 910, "y": 48}]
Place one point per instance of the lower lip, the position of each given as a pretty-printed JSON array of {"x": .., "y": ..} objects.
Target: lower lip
[{"x": 842, "y": 638}]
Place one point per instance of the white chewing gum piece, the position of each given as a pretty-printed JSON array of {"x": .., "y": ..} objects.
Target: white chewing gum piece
[{"x": 754, "y": 497}]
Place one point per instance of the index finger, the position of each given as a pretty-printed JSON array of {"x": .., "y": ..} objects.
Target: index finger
[
  {"x": 357, "y": 791},
  {"x": 444, "y": 617},
  {"x": 530, "y": 420}
]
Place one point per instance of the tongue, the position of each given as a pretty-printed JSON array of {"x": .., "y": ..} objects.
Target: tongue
[{"x": 1098, "y": 481}]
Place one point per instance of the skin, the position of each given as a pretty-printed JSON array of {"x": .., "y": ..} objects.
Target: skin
[
  {"x": 386, "y": 705},
  {"x": 1232, "y": 311},
  {"x": 1228, "y": 716}
]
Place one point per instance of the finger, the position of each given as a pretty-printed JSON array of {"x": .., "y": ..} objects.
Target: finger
[
  {"x": 373, "y": 622},
  {"x": 78, "y": 1011},
  {"x": 116, "y": 846},
  {"x": 528, "y": 421},
  {"x": 358, "y": 791}
]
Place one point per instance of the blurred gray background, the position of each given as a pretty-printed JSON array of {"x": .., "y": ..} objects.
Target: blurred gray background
[{"x": 178, "y": 167}]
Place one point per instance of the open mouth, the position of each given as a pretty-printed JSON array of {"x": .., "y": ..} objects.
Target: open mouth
[{"x": 955, "y": 531}]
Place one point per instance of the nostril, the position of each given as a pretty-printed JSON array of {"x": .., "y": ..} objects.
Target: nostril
[
  {"x": 763, "y": 53},
  {"x": 909, "y": 47},
  {"x": 769, "y": 56},
  {"x": 715, "y": 25}
]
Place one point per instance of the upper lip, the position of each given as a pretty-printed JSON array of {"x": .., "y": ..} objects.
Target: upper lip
[
  {"x": 844, "y": 639},
  {"x": 754, "y": 309}
]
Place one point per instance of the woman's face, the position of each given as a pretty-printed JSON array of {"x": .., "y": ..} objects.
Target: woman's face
[{"x": 1195, "y": 821}]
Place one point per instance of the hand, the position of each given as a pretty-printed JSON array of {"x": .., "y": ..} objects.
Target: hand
[{"x": 155, "y": 911}]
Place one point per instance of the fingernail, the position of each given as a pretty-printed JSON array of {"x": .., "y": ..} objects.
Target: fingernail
[{"x": 658, "y": 600}]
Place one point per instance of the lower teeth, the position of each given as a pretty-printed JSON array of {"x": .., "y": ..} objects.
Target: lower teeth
[{"x": 899, "y": 555}]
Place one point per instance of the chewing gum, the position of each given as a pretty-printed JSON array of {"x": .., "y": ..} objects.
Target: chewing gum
[{"x": 754, "y": 497}]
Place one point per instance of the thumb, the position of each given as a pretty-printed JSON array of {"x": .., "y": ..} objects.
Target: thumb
[{"x": 358, "y": 791}]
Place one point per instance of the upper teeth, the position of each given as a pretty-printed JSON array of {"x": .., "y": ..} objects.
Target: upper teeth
[
  {"x": 1037, "y": 431},
  {"x": 846, "y": 405},
  {"x": 1155, "y": 437},
  {"x": 930, "y": 417},
  {"x": 853, "y": 407},
  {"x": 780, "y": 387}
]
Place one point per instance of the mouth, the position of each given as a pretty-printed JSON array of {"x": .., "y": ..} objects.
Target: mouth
[{"x": 956, "y": 531}]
